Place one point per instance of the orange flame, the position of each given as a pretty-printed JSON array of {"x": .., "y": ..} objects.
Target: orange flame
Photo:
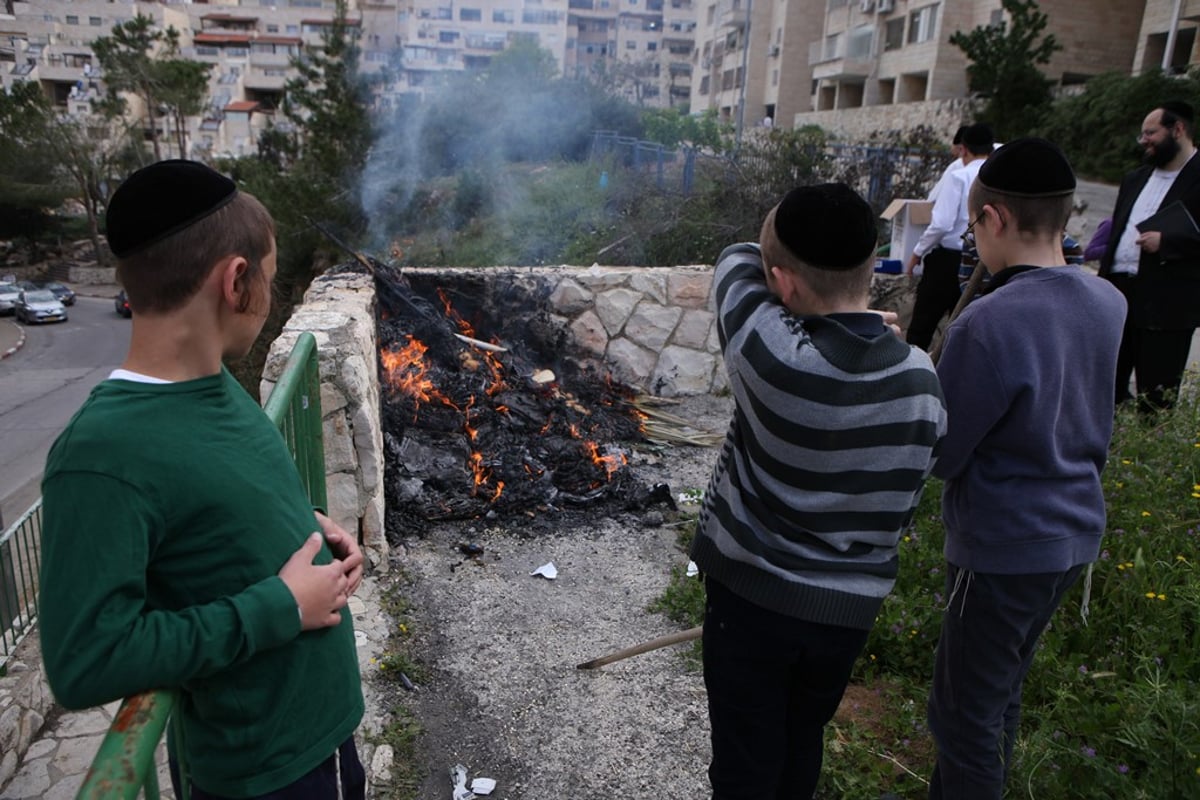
[
  {"x": 407, "y": 373},
  {"x": 610, "y": 463}
]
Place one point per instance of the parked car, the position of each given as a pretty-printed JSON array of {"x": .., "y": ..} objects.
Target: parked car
[
  {"x": 63, "y": 292},
  {"x": 39, "y": 305},
  {"x": 122, "y": 304},
  {"x": 9, "y": 292}
]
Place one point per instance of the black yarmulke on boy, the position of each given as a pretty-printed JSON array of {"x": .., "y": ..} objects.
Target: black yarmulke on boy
[
  {"x": 828, "y": 226},
  {"x": 1029, "y": 167},
  {"x": 162, "y": 199}
]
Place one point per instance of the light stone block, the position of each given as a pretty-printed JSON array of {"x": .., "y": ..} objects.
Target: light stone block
[
  {"x": 570, "y": 298},
  {"x": 689, "y": 289},
  {"x": 614, "y": 307},
  {"x": 589, "y": 333},
  {"x": 683, "y": 372},
  {"x": 694, "y": 329},
  {"x": 651, "y": 325}
]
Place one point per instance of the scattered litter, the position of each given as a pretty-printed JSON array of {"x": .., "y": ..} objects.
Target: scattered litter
[
  {"x": 458, "y": 776},
  {"x": 547, "y": 571},
  {"x": 470, "y": 549},
  {"x": 483, "y": 785},
  {"x": 406, "y": 683},
  {"x": 542, "y": 377},
  {"x": 692, "y": 569}
]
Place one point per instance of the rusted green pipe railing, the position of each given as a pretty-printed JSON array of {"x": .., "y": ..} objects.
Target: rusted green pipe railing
[
  {"x": 124, "y": 765},
  {"x": 295, "y": 406}
]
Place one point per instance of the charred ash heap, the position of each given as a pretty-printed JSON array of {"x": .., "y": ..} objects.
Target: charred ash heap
[{"x": 486, "y": 416}]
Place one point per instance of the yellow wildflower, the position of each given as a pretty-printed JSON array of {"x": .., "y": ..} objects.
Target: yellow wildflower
[
  {"x": 1162, "y": 597},
  {"x": 1150, "y": 595},
  {"x": 1145, "y": 513}
]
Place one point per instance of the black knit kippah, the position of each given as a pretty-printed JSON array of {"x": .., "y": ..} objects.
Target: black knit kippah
[
  {"x": 1029, "y": 167},
  {"x": 162, "y": 199},
  {"x": 826, "y": 226}
]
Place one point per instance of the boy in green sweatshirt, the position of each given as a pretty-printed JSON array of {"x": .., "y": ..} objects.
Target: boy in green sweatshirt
[{"x": 180, "y": 550}]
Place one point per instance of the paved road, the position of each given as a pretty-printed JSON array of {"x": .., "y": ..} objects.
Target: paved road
[{"x": 42, "y": 385}]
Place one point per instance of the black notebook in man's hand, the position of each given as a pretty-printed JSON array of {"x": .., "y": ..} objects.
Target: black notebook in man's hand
[{"x": 1173, "y": 219}]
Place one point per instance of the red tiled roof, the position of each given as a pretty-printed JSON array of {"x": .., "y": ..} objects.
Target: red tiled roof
[
  {"x": 243, "y": 38},
  {"x": 242, "y": 105},
  {"x": 221, "y": 38}
]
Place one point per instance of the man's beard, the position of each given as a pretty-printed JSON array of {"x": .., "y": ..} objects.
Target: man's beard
[{"x": 1162, "y": 154}]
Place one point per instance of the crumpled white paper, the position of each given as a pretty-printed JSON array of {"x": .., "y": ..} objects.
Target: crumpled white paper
[
  {"x": 692, "y": 569},
  {"x": 547, "y": 571},
  {"x": 483, "y": 785},
  {"x": 458, "y": 775}
]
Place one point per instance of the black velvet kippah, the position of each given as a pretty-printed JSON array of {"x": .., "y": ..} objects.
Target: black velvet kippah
[
  {"x": 979, "y": 136},
  {"x": 827, "y": 226},
  {"x": 162, "y": 199},
  {"x": 1029, "y": 167}
]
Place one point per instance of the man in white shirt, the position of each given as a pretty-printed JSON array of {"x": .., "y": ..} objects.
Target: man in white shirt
[
  {"x": 939, "y": 249},
  {"x": 1155, "y": 261},
  {"x": 958, "y": 151}
]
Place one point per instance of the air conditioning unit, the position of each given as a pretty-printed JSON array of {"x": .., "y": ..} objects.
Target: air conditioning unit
[
  {"x": 774, "y": 51},
  {"x": 885, "y": 6},
  {"x": 865, "y": 5}
]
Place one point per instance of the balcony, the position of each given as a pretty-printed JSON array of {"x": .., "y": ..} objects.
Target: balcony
[
  {"x": 269, "y": 59},
  {"x": 680, "y": 68},
  {"x": 265, "y": 80},
  {"x": 59, "y": 73},
  {"x": 829, "y": 61},
  {"x": 732, "y": 15}
]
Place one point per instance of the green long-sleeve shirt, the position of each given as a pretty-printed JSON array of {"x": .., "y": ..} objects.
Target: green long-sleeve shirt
[{"x": 168, "y": 511}]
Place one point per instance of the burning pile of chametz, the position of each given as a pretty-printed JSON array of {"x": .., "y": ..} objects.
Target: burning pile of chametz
[{"x": 486, "y": 416}]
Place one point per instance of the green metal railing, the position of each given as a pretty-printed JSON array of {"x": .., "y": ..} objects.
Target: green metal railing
[
  {"x": 124, "y": 764},
  {"x": 20, "y": 561}
]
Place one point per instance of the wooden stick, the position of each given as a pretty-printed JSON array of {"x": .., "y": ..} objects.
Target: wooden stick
[
  {"x": 644, "y": 647},
  {"x": 968, "y": 294}
]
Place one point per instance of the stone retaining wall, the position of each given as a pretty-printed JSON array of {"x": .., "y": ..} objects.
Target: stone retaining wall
[
  {"x": 653, "y": 327},
  {"x": 25, "y": 702}
]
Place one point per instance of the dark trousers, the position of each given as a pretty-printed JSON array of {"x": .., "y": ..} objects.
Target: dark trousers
[
  {"x": 1155, "y": 358},
  {"x": 937, "y": 294},
  {"x": 989, "y": 634},
  {"x": 773, "y": 682},
  {"x": 343, "y": 769}
]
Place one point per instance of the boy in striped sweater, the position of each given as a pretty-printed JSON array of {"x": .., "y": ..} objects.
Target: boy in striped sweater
[{"x": 834, "y": 432}]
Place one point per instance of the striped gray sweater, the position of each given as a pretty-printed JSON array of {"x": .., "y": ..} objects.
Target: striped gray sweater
[{"x": 832, "y": 438}]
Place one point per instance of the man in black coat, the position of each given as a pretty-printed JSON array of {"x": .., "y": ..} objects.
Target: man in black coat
[{"x": 1153, "y": 257}]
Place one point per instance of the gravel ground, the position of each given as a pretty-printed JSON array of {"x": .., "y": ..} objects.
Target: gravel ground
[{"x": 501, "y": 694}]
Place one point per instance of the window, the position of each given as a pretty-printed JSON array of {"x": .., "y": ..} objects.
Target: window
[
  {"x": 631, "y": 45},
  {"x": 447, "y": 37},
  {"x": 272, "y": 29},
  {"x": 505, "y": 15},
  {"x": 651, "y": 46},
  {"x": 774, "y": 77},
  {"x": 95, "y": 22},
  {"x": 704, "y": 85},
  {"x": 893, "y": 34},
  {"x": 922, "y": 24},
  {"x": 470, "y": 15},
  {"x": 832, "y": 49},
  {"x": 72, "y": 19},
  {"x": 858, "y": 44}
]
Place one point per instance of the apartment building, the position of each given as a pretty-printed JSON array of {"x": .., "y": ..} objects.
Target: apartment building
[
  {"x": 1168, "y": 26},
  {"x": 883, "y": 52},
  {"x": 751, "y": 60},
  {"x": 251, "y": 43}
]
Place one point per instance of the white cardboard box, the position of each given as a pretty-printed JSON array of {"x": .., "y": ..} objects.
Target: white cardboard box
[{"x": 909, "y": 220}]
